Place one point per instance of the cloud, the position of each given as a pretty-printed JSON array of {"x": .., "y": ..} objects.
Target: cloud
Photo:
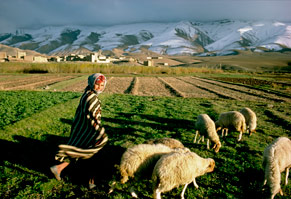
[{"x": 36, "y": 13}]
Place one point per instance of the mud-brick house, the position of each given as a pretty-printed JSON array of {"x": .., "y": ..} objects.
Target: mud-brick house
[
  {"x": 20, "y": 55},
  {"x": 3, "y": 56},
  {"x": 39, "y": 59},
  {"x": 98, "y": 58}
]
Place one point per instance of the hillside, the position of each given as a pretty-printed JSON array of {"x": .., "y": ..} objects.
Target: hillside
[{"x": 213, "y": 38}]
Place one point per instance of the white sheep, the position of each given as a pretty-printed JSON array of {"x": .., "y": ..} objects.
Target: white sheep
[
  {"x": 231, "y": 119},
  {"x": 251, "y": 119},
  {"x": 276, "y": 159},
  {"x": 139, "y": 160},
  {"x": 170, "y": 142},
  {"x": 205, "y": 126},
  {"x": 175, "y": 169}
]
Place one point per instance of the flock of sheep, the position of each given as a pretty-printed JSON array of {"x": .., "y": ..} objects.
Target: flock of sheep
[{"x": 171, "y": 164}]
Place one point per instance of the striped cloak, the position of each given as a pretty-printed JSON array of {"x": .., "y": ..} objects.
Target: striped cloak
[{"x": 87, "y": 135}]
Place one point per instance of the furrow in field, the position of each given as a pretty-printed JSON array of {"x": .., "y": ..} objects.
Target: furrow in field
[
  {"x": 152, "y": 86},
  {"x": 171, "y": 88},
  {"x": 118, "y": 85},
  {"x": 38, "y": 83},
  {"x": 22, "y": 80},
  {"x": 221, "y": 91},
  {"x": 249, "y": 91},
  {"x": 191, "y": 90}
]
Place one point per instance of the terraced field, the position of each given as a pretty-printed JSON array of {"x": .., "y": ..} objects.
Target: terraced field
[{"x": 186, "y": 87}]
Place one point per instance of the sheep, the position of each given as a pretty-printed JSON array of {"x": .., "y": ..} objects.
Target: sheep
[
  {"x": 276, "y": 159},
  {"x": 175, "y": 169},
  {"x": 140, "y": 160},
  {"x": 231, "y": 119},
  {"x": 251, "y": 119},
  {"x": 206, "y": 127},
  {"x": 170, "y": 142}
]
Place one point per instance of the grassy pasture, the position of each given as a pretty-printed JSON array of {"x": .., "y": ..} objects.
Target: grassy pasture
[
  {"x": 33, "y": 123},
  {"x": 31, "y": 131}
]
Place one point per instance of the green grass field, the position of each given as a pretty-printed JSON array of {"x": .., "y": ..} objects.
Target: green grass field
[{"x": 33, "y": 124}]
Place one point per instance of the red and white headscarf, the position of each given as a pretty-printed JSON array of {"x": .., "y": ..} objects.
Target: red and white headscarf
[{"x": 96, "y": 78}]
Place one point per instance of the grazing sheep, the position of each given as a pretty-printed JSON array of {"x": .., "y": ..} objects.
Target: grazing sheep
[
  {"x": 139, "y": 157},
  {"x": 276, "y": 159},
  {"x": 175, "y": 169},
  {"x": 205, "y": 126},
  {"x": 140, "y": 160},
  {"x": 231, "y": 119},
  {"x": 170, "y": 142},
  {"x": 251, "y": 119}
]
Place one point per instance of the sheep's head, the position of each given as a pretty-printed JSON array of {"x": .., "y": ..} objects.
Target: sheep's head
[
  {"x": 210, "y": 166},
  {"x": 270, "y": 191},
  {"x": 217, "y": 147}
]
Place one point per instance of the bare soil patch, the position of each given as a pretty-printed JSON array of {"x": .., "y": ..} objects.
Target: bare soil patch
[
  {"x": 186, "y": 87},
  {"x": 118, "y": 85},
  {"x": 33, "y": 82},
  {"x": 249, "y": 91},
  {"x": 189, "y": 90},
  {"x": 151, "y": 86}
]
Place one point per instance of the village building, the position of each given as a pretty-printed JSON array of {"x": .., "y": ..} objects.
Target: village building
[{"x": 3, "y": 56}]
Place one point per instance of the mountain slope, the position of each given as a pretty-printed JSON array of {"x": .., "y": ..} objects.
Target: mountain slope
[{"x": 200, "y": 38}]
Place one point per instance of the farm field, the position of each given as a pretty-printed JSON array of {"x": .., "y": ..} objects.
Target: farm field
[{"x": 37, "y": 110}]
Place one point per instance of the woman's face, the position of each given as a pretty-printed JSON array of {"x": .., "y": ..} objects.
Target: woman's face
[{"x": 99, "y": 86}]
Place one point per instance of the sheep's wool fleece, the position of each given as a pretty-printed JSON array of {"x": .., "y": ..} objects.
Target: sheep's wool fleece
[
  {"x": 277, "y": 157},
  {"x": 250, "y": 117},
  {"x": 170, "y": 142},
  {"x": 279, "y": 151},
  {"x": 206, "y": 126},
  {"x": 176, "y": 168},
  {"x": 139, "y": 157},
  {"x": 231, "y": 118}
]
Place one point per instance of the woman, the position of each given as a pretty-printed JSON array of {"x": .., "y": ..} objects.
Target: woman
[{"x": 87, "y": 136}]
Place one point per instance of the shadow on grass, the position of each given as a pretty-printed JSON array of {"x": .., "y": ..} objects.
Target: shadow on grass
[{"x": 39, "y": 156}]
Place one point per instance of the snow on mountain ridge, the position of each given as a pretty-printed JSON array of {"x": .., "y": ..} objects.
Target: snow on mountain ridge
[{"x": 166, "y": 38}]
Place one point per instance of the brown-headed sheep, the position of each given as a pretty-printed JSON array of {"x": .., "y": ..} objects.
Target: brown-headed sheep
[
  {"x": 205, "y": 126},
  {"x": 276, "y": 159},
  {"x": 175, "y": 169},
  {"x": 251, "y": 119},
  {"x": 170, "y": 142},
  {"x": 231, "y": 119}
]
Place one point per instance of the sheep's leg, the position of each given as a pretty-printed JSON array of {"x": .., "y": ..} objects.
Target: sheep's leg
[
  {"x": 208, "y": 147},
  {"x": 203, "y": 138},
  {"x": 240, "y": 136},
  {"x": 195, "y": 139},
  {"x": 281, "y": 192},
  {"x": 286, "y": 177},
  {"x": 200, "y": 137},
  {"x": 226, "y": 132},
  {"x": 222, "y": 132},
  {"x": 195, "y": 184},
  {"x": 182, "y": 194},
  {"x": 112, "y": 187},
  {"x": 157, "y": 194},
  {"x": 132, "y": 192},
  {"x": 265, "y": 182}
]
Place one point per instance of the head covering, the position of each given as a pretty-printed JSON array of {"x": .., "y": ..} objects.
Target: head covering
[{"x": 96, "y": 78}]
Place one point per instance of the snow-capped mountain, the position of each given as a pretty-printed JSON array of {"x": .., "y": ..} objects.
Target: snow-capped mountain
[{"x": 200, "y": 38}]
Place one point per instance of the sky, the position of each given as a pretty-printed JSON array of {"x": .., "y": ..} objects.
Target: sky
[{"x": 15, "y": 14}]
